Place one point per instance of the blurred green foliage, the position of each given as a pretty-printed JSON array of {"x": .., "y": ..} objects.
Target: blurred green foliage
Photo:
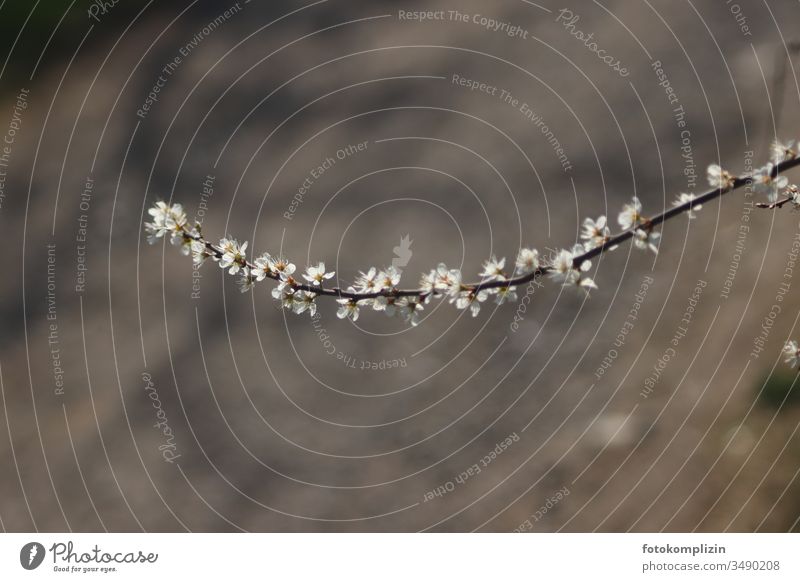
[
  {"x": 780, "y": 389},
  {"x": 26, "y": 26},
  {"x": 38, "y": 23}
]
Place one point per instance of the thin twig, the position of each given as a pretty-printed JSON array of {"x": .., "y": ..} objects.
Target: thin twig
[
  {"x": 777, "y": 204},
  {"x": 609, "y": 243}
]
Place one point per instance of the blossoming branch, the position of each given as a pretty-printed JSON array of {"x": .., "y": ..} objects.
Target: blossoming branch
[{"x": 378, "y": 289}]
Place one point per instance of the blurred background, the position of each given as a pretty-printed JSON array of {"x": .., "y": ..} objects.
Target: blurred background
[{"x": 138, "y": 394}]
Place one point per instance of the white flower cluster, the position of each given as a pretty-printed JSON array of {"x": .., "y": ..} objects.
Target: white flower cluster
[
  {"x": 688, "y": 198},
  {"x": 378, "y": 289},
  {"x": 762, "y": 179},
  {"x": 168, "y": 219},
  {"x": 288, "y": 292},
  {"x": 375, "y": 281},
  {"x": 631, "y": 219},
  {"x": 792, "y": 352},
  {"x": 444, "y": 282}
]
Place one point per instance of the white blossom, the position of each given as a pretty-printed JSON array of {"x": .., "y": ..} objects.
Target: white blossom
[
  {"x": 386, "y": 304},
  {"x": 719, "y": 178},
  {"x": 159, "y": 212},
  {"x": 409, "y": 309},
  {"x": 199, "y": 252},
  {"x": 467, "y": 298},
  {"x": 646, "y": 239},
  {"x": 166, "y": 219},
  {"x": 176, "y": 217},
  {"x": 527, "y": 261},
  {"x": 782, "y": 151},
  {"x": 154, "y": 232},
  {"x": 316, "y": 275},
  {"x": 233, "y": 255},
  {"x": 683, "y": 199},
  {"x": 367, "y": 282},
  {"x": 284, "y": 294},
  {"x": 764, "y": 183},
  {"x": 792, "y": 352},
  {"x": 347, "y": 307},
  {"x": 448, "y": 280},
  {"x": 595, "y": 232},
  {"x": 631, "y": 214},
  {"x": 304, "y": 301},
  {"x": 563, "y": 269},
  {"x": 388, "y": 278},
  {"x": 793, "y": 192},
  {"x": 246, "y": 280},
  {"x": 282, "y": 267},
  {"x": 427, "y": 284},
  {"x": 493, "y": 269},
  {"x": 503, "y": 294},
  {"x": 184, "y": 241},
  {"x": 262, "y": 267},
  {"x": 168, "y": 216}
]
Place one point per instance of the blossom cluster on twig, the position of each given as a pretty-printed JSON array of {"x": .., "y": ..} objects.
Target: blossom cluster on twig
[
  {"x": 377, "y": 289},
  {"x": 792, "y": 352}
]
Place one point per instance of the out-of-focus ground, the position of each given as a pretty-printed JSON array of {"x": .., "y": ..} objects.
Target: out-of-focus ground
[{"x": 279, "y": 425}]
